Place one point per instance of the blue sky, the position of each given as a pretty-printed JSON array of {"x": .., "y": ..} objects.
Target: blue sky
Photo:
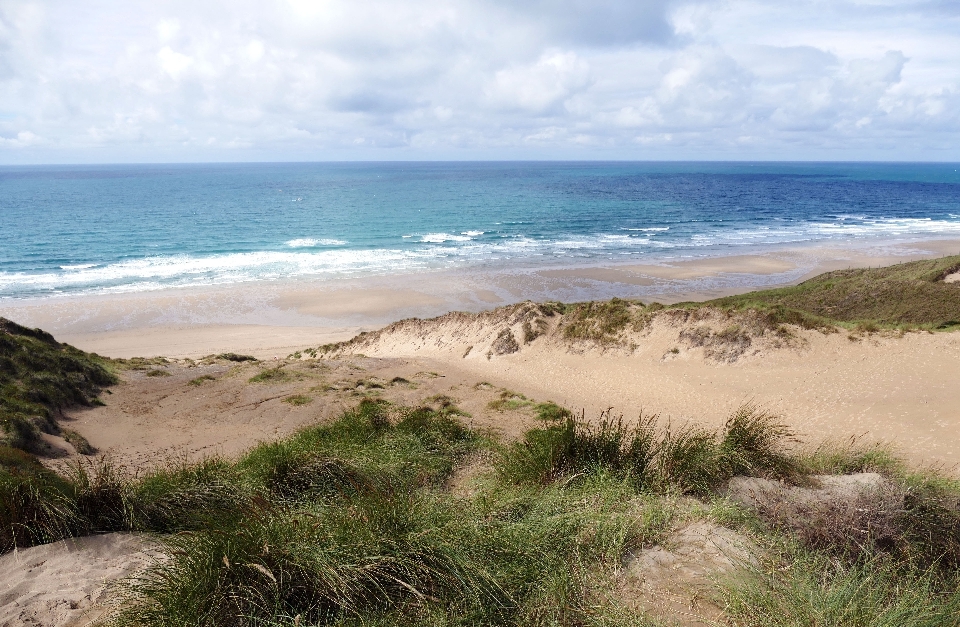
[{"x": 132, "y": 81}]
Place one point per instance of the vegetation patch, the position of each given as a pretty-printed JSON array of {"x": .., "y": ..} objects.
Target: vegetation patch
[
  {"x": 39, "y": 379},
  {"x": 140, "y": 363},
  {"x": 78, "y": 442},
  {"x": 551, "y": 412},
  {"x": 298, "y": 400},
  {"x": 505, "y": 343},
  {"x": 273, "y": 375},
  {"x": 533, "y": 330},
  {"x": 201, "y": 380},
  {"x": 156, "y": 372},
  {"x": 509, "y": 400},
  {"x": 691, "y": 459},
  {"x": 600, "y": 322},
  {"x": 236, "y": 358},
  {"x": 910, "y": 294},
  {"x": 726, "y": 345}
]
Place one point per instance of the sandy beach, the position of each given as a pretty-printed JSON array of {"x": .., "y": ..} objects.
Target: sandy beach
[{"x": 273, "y": 318}]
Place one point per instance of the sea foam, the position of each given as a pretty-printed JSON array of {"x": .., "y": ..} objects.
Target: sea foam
[{"x": 309, "y": 242}]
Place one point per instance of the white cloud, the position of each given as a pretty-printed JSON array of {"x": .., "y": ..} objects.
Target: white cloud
[
  {"x": 542, "y": 86},
  {"x": 106, "y": 80},
  {"x": 23, "y": 139},
  {"x": 173, "y": 63}
]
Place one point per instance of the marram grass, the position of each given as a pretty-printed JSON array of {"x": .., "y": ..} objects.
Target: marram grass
[{"x": 352, "y": 522}]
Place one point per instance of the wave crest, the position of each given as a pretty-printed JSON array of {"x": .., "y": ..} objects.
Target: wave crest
[{"x": 309, "y": 242}]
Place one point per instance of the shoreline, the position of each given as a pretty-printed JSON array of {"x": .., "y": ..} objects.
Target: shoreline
[{"x": 272, "y": 318}]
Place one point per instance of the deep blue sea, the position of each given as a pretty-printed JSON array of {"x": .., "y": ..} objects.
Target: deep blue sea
[{"x": 83, "y": 229}]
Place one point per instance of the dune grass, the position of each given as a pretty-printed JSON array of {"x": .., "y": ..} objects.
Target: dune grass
[
  {"x": 800, "y": 587},
  {"x": 903, "y": 295},
  {"x": 39, "y": 378},
  {"x": 690, "y": 459},
  {"x": 273, "y": 375},
  {"x": 350, "y": 523}
]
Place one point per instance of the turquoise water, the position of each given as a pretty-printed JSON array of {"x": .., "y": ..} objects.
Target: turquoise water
[{"x": 89, "y": 229}]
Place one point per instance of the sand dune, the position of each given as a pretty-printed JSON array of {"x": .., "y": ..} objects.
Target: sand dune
[
  {"x": 879, "y": 386},
  {"x": 687, "y": 367}
]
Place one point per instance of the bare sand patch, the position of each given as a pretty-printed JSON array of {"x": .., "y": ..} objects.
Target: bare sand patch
[
  {"x": 676, "y": 581},
  {"x": 365, "y": 303},
  {"x": 61, "y": 584},
  {"x": 198, "y": 340},
  {"x": 734, "y": 264},
  {"x": 150, "y": 421}
]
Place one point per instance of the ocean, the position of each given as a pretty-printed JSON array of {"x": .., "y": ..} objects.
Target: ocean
[{"x": 127, "y": 228}]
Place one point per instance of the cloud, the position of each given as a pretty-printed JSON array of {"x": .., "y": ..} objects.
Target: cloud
[
  {"x": 303, "y": 79},
  {"x": 539, "y": 88}
]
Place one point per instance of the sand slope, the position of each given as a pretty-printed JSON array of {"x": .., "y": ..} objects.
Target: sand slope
[
  {"x": 154, "y": 420},
  {"x": 900, "y": 389},
  {"x": 60, "y": 584}
]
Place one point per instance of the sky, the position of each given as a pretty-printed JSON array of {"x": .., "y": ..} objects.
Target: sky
[{"x": 295, "y": 80}]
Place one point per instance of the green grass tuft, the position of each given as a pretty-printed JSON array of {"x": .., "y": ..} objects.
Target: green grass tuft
[
  {"x": 509, "y": 401},
  {"x": 237, "y": 358},
  {"x": 273, "y": 375},
  {"x": 691, "y": 459},
  {"x": 812, "y": 589}
]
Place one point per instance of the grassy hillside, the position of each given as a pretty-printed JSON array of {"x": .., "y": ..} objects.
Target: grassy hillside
[
  {"x": 40, "y": 377},
  {"x": 912, "y": 294}
]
